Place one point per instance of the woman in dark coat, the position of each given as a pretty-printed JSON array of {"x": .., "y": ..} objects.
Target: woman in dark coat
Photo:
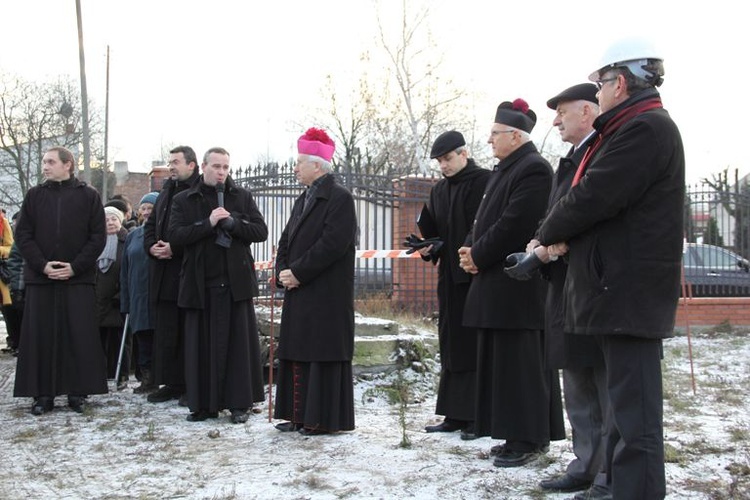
[
  {"x": 134, "y": 295},
  {"x": 108, "y": 296}
]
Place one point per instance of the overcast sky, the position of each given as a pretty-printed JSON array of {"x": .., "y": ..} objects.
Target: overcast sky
[{"x": 247, "y": 75}]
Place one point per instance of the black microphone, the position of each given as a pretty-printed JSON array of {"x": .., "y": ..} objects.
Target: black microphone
[{"x": 220, "y": 193}]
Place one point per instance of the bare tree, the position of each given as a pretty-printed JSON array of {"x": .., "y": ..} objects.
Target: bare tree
[
  {"x": 33, "y": 117},
  {"x": 424, "y": 101}
]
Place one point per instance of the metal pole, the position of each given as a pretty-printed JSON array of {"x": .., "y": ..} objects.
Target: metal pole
[
  {"x": 84, "y": 99},
  {"x": 122, "y": 349},
  {"x": 271, "y": 335},
  {"x": 105, "y": 167}
]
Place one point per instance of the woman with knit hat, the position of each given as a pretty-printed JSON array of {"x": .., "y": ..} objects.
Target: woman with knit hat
[
  {"x": 108, "y": 296},
  {"x": 134, "y": 295}
]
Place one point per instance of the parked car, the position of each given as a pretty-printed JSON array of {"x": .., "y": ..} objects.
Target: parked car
[{"x": 715, "y": 272}]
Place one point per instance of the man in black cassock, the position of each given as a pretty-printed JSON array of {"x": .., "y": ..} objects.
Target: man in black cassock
[
  {"x": 449, "y": 215},
  {"x": 60, "y": 234},
  {"x": 215, "y": 221},
  {"x": 513, "y": 393},
  {"x": 315, "y": 265}
]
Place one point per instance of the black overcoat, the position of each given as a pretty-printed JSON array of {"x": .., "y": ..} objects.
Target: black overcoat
[
  {"x": 452, "y": 205},
  {"x": 108, "y": 288},
  {"x": 190, "y": 228},
  {"x": 624, "y": 225},
  {"x": 164, "y": 273},
  {"x": 317, "y": 321},
  {"x": 563, "y": 349},
  {"x": 509, "y": 214}
]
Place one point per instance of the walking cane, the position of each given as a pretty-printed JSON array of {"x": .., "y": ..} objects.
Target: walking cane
[
  {"x": 122, "y": 350},
  {"x": 687, "y": 293},
  {"x": 271, "y": 335}
]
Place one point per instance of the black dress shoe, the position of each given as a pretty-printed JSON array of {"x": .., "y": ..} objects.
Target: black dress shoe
[
  {"x": 305, "y": 431},
  {"x": 499, "y": 449},
  {"x": 565, "y": 484},
  {"x": 512, "y": 458},
  {"x": 288, "y": 426},
  {"x": 201, "y": 415},
  {"x": 42, "y": 405},
  {"x": 165, "y": 394},
  {"x": 238, "y": 416},
  {"x": 596, "y": 492},
  {"x": 445, "y": 426},
  {"x": 75, "y": 403}
]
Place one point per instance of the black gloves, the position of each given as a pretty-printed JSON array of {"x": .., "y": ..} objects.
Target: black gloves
[
  {"x": 521, "y": 265},
  {"x": 414, "y": 243},
  {"x": 227, "y": 224}
]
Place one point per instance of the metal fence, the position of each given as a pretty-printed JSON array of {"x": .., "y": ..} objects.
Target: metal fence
[
  {"x": 716, "y": 229},
  {"x": 387, "y": 210}
]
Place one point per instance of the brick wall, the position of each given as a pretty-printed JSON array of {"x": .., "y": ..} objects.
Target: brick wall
[
  {"x": 414, "y": 280},
  {"x": 714, "y": 311}
]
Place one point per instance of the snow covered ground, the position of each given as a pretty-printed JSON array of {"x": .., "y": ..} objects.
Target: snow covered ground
[{"x": 124, "y": 447}]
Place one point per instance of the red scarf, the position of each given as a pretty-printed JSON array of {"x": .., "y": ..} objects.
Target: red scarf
[{"x": 611, "y": 127}]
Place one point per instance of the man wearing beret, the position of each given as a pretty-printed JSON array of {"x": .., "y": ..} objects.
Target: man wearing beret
[
  {"x": 578, "y": 356},
  {"x": 620, "y": 226},
  {"x": 451, "y": 209},
  {"x": 513, "y": 398}
]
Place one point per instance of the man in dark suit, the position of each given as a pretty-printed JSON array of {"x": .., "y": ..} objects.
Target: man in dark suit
[
  {"x": 215, "y": 221},
  {"x": 315, "y": 265},
  {"x": 621, "y": 228},
  {"x": 513, "y": 396},
  {"x": 578, "y": 356},
  {"x": 168, "y": 348}
]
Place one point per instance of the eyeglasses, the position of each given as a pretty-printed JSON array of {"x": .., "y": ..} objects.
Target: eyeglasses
[
  {"x": 600, "y": 83},
  {"x": 496, "y": 132}
]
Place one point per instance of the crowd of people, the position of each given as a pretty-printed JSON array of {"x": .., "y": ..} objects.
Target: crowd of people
[{"x": 540, "y": 270}]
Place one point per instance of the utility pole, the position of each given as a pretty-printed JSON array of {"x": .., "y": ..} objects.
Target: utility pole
[
  {"x": 84, "y": 99},
  {"x": 105, "y": 167}
]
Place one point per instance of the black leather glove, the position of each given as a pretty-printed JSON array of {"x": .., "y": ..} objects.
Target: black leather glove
[
  {"x": 414, "y": 243},
  {"x": 521, "y": 265},
  {"x": 227, "y": 224}
]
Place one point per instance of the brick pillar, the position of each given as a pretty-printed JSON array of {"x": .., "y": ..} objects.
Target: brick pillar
[
  {"x": 157, "y": 175},
  {"x": 414, "y": 280}
]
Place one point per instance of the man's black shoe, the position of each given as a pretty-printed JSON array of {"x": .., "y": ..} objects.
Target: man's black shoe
[
  {"x": 201, "y": 415},
  {"x": 76, "y": 403},
  {"x": 164, "y": 394},
  {"x": 288, "y": 426},
  {"x": 499, "y": 449},
  {"x": 511, "y": 458},
  {"x": 446, "y": 426},
  {"x": 42, "y": 405},
  {"x": 565, "y": 484},
  {"x": 313, "y": 432},
  {"x": 596, "y": 492},
  {"x": 238, "y": 416}
]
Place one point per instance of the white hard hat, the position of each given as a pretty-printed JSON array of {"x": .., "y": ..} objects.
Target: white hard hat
[{"x": 632, "y": 53}]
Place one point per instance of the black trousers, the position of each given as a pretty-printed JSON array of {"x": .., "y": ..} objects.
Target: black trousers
[{"x": 635, "y": 440}]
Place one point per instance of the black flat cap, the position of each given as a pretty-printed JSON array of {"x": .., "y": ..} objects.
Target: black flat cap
[
  {"x": 447, "y": 142},
  {"x": 580, "y": 92}
]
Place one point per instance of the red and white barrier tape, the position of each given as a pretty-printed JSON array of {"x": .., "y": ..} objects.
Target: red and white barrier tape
[{"x": 361, "y": 254}]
